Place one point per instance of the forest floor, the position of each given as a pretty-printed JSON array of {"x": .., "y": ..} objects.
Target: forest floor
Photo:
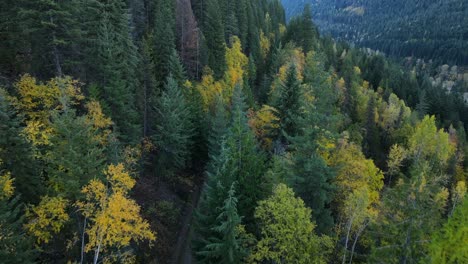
[
  {"x": 169, "y": 209},
  {"x": 183, "y": 250}
]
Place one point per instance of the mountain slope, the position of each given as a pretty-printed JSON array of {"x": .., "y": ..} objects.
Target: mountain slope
[{"x": 424, "y": 28}]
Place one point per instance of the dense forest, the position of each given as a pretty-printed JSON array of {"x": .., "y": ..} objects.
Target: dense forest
[
  {"x": 217, "y": 131},
  {"x": 429, "y": 29}
]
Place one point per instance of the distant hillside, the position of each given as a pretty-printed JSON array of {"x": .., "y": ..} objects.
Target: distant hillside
[{"x": 430, "y": 29}]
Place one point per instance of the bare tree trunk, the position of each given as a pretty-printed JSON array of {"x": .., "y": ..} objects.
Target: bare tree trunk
[
  {"x": 350, "y": 223},
  {"x": 82, "y": 241},
  {"x": 96, "y": 252},
  {"x": 356, "y": 239}
]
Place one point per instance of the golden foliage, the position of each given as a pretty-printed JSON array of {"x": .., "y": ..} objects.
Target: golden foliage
[
  {"x": 209, "y": 89},
  {"x": 356, "y": 172},
  {"x": 47, "y": 218},
  {"x": 7, "y": 189},
  {"x": 37, "y": 101},
  {"x": 264, "y": 122},
  {"x": 100, "y": 122},
  {"x": 236, "y": 63},
  {"x": 264, "y": 45},
  {"x": 115, "y": 219}
]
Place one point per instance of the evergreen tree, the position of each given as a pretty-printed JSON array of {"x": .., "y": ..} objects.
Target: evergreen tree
[
  {"x": 309, "y": 32},
  {"x": 246, "y": 163},
  {"x": 176, "y": 69},
  {"x": 288, "y": 104},
  {"x": 219, "y": 124},
  {"x": 114, "y": 60},
  {"x": 164, "y": 39},
  {"x": 214, "y": 35},
  {"x": 173, "y": 130},
  {"x": 15, "y": 245},
  {"x": 309, "y": 173},
  {"x": 448, "y": 244},
  {"x": 52, "y": 30},
  {"x": 227, "y": 247},
  {"x": 238, "y": 161},
  {"x": 75, "y": 156},
  {"x": 16, "y": 153}
]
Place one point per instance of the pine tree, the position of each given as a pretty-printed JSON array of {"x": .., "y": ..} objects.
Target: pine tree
[
  {"x": 310, "y": 175},
  {"x": 448, "y": 244},
  {"x": 164, "y": 38},
  {"x": 52, "y": 30},
  {"x": 227, "y": 246},
  {"x": 218, "y": 124},
  {"x": 288, "y": 104},
  {"x": 246, "y": 163},
  {"x": 75, "y": 156},
  {"x": 15, "y": 245},
  {"x": 176, "y": 69},
  {"x": 238, "y": 161},
  {"x": 214, "y": 35},
  {"x": 113, "y": 60},
  {"x": 173, "y": 130},
  {"x": 16, "y": 153},
  {"x": 309, "y": 32}
]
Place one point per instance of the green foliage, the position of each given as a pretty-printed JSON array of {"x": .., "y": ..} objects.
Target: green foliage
[
  {"x": 227, "y": 246},
  {"x": 409, "y": 213},
  {"x": 287, "y": 233},
  {"x": 448, "y": 244},
  {"x": 16, "y": 154},
  {"x": 164, "y": 40},
  {"x": 75, "y": 156},
  {"x": 214, "y": 35},
  {"x": 174, "y": 130},
  {"x": 289, "y": 104},
  {"x": 114, "y": 62},
  {"x": 15, "y": 245}
]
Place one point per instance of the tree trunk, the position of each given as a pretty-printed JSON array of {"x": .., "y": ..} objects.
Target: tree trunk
[{"x": 82, "y": 241}]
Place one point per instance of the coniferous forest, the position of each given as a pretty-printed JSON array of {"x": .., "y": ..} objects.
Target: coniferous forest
[{"x": 218, "y": 131}]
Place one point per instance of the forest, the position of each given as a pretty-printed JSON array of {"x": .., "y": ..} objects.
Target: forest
[
  {"x": 219, "y": 131},
  {"x": 429, "y": 29}
]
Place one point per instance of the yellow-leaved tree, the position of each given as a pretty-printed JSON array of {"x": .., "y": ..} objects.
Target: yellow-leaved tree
[
  {"x": 265, "y": 124},
  {"x": 37, "y": 100},
  {"x": 47, "y": 218},
  {"x": 112, "y": 219},
  {"x": 236, "y": 63},
  {"x": 358, "y": 183}
]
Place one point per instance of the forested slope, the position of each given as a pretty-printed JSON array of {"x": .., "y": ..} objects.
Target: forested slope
[
  {"x": 115, "y": 116},
  {"x": 425, "y": 29}
]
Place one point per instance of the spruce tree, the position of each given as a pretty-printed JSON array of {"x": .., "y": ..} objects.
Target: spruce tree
[
  {"x": 15, "y": 245},
  {"x": 288, "y": 104},
  {"x": 246, "y": 162},
  {"x": 16, "y": 154},
  {"x": 164, "y": 39},
  {"x": 114, "y": 60},
  {"x": 173, "y": 130},
  {"x": 218, "y": 127},
  {"x": 227, "y": 246},
  {"x": 75, "y": 156},
  {"x": 239, "y": 160},
  {"x": 309, "y": 174},
  {"x": 214, "y": 35},
  {"x": 52, "y": 30}
]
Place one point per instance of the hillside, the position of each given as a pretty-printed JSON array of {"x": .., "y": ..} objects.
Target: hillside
[
  {"x": 425, "y": 29},
  {"x": 216, "y": 131}
]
